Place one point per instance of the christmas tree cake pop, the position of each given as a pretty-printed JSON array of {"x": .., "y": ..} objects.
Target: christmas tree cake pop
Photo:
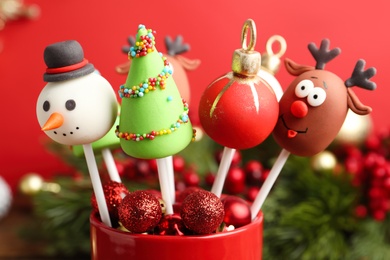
[{"x": 154, "y": 120}]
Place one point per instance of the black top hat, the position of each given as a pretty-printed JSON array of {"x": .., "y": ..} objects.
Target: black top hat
[{"x": 65, "y": 60}]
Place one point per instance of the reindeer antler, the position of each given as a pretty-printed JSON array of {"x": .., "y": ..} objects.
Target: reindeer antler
[
  {"x": 323, "y": 55},
  {"x": 177, "y": 46},
  {"x": 131, "y": 41},
  {"x": 360, "y": 77}
]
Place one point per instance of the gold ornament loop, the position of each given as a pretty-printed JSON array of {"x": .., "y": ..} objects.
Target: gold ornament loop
[
  {"x": 281, "y": 41},
  {"x": 248, "y": 25}
]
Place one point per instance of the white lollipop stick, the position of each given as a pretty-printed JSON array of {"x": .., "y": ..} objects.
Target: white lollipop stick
[
  {"x": 226, "y": 160},
  {"x": 269, "y": 182},
  {"x": 162, "y": 168},
  {"x": 96, "y": 184},
  {"x": 111, "y": 166},
  {"x": 171, "y": 178}
]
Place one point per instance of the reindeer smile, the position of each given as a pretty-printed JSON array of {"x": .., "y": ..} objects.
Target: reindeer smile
[{"x": 291, "y": 133}]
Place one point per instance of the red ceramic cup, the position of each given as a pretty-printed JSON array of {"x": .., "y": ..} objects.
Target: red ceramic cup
[{"x": 244, "y": 243}]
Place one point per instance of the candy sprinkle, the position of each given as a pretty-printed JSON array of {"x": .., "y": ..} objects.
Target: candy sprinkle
[
  {"x": 148, "y": 85},
  {"x": 183, "y": 119},
  {"x": 144, "y": 46}
]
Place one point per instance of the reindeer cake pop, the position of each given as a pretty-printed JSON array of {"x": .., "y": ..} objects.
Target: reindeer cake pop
[
  {"x": 314, "y": 106},
  {"x": 313, "y": 109},
  {"x": 77, "y": 106}
]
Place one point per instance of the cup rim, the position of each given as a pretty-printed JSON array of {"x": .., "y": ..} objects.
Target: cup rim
[{"x": 95, "y": 221}]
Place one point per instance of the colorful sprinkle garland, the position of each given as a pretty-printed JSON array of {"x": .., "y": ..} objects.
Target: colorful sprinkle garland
[
  {"x": 148, "y": 85},
  {"x": 183, "y": 118},
  {"x": 144, "y": 46}
]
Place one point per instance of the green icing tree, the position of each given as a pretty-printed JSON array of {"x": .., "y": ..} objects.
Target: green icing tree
[{"x": 154, "y": 119}]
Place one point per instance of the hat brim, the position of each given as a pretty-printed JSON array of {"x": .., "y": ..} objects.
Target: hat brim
[{"x": 87, "y": 69}]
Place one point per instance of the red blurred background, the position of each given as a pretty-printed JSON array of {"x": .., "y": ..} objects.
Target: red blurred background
[{"x": 212, "y": 28}]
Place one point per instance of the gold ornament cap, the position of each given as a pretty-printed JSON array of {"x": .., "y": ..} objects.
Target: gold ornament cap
[
  {"x": 247, "y": 61},
  {"x": 270, "y": 61}
]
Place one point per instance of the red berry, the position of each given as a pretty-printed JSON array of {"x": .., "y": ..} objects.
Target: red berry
[
  {"x": 191, "y": 179},
  {"x": 153, "y": 165},
  {"x": 237, "y": 211},
  {"x": 386, "y": 183},
  {"x": 178, "y": 163},
  {"x": 380, "y": 172},
  {"x": 252, "y": 193},
  {"x": 374, "y": 159},
  {"x": 209, "y": 179},
  {"x": 373, "y": 142},
  {"x": 236, "y": 160},
  {"x": 353, "y": 165},
  {"x": 235, "y": 181},
  {"x": 265, "y": 174},
  {"x": 143, "y": 169},
  {"x": 253, "y": 170},
  {"x": 379, "y": 215},
  {"x": 361, "y": 211},
  {"x": 129, "y": 171}
]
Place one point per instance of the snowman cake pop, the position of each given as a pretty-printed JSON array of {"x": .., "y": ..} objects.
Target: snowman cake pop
[{"x": 77, "y": 106}]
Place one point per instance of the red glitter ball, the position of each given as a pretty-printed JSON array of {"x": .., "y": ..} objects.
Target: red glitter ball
[
  {"x": 202, "y": 212},
  {"x": 113, "y": 193},
  {"x": 140, "y": 211}
]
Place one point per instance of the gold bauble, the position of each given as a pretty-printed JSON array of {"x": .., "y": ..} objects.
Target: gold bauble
[
  {"x": 32, "y": 183},
  {"x": 324, "y": 160},
  {"x": 355, "y": 129}
]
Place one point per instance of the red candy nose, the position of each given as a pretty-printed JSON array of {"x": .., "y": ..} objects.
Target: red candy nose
[{"x": 299, "y": 109}]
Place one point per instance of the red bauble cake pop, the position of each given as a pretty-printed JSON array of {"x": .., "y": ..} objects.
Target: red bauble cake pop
[
  {"x": 202, "y": 212},
  {"x": 140, "y": 212},
  {"x": 239, "y": 110}
]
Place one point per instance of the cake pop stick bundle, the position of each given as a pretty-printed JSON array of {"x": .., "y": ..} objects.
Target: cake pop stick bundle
[{"x": 238, "y": 110}]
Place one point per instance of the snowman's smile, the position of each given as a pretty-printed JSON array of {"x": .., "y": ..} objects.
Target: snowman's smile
[{"x": 65, "y": 134}]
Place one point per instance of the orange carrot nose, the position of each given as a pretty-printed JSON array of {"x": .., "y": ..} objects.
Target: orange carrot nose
[{"x": 55, "y": 120}]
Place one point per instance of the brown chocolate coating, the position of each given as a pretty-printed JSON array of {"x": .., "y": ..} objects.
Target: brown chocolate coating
[{"x": 307, "y": 135}]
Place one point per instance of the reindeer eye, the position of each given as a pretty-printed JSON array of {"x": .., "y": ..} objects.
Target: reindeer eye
[
  {"x": 303, "y": 88},
  {"x": 316, "y": 97}
]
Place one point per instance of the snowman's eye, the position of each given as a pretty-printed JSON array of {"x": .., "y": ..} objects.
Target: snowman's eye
[
  {"x": 46, "y": 106},
  {"x": 303, "y": 88},
  {"x": 316, "y": 97},
  {"x": 70, "y": 104}
]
